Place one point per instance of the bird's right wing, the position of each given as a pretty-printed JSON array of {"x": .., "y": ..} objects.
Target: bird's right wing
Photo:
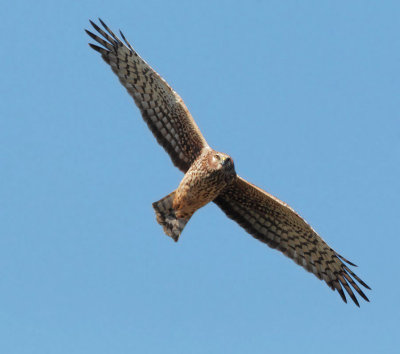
[
  {"x": 273, "y": 222},
  {"x": 161, "y": 107}
]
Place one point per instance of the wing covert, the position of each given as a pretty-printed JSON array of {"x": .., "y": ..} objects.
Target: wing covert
[
  {"x": 162, "y": 108},
  {"x": 273, "y": 222}
]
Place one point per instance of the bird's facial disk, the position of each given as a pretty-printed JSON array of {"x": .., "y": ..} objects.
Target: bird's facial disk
[{"x": 224, "y": 162}]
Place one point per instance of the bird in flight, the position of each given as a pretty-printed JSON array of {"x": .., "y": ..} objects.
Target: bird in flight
[{"x": 210, "y": 175}]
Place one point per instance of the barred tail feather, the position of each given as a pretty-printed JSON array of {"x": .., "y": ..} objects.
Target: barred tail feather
[{"x": 167, "y": 218}]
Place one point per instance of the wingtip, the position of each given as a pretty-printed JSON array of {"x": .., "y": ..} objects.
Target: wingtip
[
  {"x": 96, "y": 47},
  {"x": 346, "y": 260},
  {"x": 363, "y": 284},
  {"x": 90, "y": 34},
  {"x": 342, "y": 294},
  {"x": 366, "y": 286},
  {"x": 122, "y": 35},
  {"x": 355, "y": 301}
]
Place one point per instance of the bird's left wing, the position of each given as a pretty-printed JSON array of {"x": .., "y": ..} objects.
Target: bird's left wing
[
  {"x": 161, "y": 107},
  {"x": 273, "y": 222}
]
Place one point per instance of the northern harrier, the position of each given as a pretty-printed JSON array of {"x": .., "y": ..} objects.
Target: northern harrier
[{"x": 210, "y": 175}]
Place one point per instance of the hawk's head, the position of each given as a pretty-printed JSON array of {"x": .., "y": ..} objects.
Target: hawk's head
[{"x": 223, "y": 163}]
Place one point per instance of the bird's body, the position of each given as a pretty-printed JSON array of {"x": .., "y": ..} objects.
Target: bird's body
[{"x": 210, "y": 176}]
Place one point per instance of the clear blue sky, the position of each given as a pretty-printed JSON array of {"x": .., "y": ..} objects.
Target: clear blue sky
[{"x": 303, "y": 95}]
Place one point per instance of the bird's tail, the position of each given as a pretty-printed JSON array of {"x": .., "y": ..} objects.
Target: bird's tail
[{"x": 167, "y": 218}]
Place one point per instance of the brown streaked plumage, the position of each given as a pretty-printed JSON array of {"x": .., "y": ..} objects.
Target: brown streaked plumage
[
  {"x": 210, "y": 175},
  {"x": 161, "y": 107}
]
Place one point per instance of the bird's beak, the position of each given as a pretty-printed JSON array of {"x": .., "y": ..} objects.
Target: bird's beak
[{"x": 226, "y": 160}]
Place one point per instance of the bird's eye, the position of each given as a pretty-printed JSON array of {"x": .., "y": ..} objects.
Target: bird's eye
[{"x": 217, "y": 157}]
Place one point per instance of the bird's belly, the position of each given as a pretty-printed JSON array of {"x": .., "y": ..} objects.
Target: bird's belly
[{"x": 190, "y": 197}]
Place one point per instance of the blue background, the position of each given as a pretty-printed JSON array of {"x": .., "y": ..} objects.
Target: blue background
[{"x": 303, "y": 95}]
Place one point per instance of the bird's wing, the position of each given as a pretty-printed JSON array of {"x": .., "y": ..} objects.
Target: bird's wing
[
  {"x": 161, "y": 107},
  {"x": 273, "y": 222}
]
